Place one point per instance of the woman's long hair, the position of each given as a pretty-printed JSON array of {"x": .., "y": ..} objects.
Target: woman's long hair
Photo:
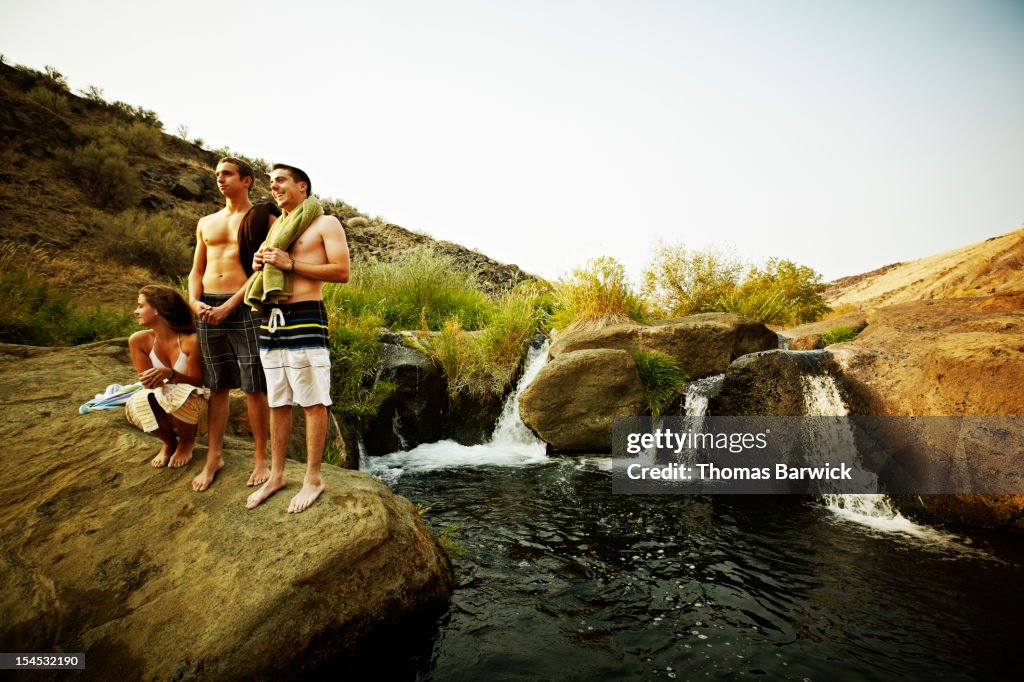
[{"x": 170, "y": 306}]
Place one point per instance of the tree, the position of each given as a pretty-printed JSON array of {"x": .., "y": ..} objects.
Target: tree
[
  {"x": 798, "y": 287},
  {"x": 681, "y": 281}
]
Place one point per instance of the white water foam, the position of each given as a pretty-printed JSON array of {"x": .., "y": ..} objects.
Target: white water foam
[
  {"x": 511, "y": 445},
  {"x": 875, "y": 511}
]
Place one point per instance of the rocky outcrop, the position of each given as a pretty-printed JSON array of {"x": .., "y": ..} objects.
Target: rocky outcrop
[
  {"x": 943, "y": 357},
  {"x": 411, "y": 415},
  {"x": 103, "y": 554},
  {"x": 954, "y": 357},
  {"x": 570, "y": 404},
  {"x": 766, "y": 384},
  {"x": 702, "y": 345},
  {"x": 808, "y": 336}
]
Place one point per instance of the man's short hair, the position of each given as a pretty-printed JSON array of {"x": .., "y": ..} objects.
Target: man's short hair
[
  {"x": 298, "y": 175},
  {"x": 244, "y": 169}
]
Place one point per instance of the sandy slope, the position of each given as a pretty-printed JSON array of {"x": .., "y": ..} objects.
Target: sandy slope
[{"x": 995, "y": 265}]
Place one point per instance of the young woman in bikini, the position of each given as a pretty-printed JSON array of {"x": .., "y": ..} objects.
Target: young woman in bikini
[{"x": 167, "y": 357}]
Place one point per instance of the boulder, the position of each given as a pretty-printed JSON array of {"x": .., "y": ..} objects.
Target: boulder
[
  {"x": 702, "y": 344},
  {"x": 411, "y": 415},
  {"x": 189, "y": 189},
  {"x": 765, "y": 384},
  {"x": 572, "y": 400},
  {"x": 103, "y": 554}
]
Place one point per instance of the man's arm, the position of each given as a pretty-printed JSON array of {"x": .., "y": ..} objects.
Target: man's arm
[
  {"x": 336, "y": 269},
  {"x": 195, "y": 276}
]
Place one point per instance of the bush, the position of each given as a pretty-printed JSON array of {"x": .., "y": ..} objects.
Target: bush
[
  {"x": 139, "y": 137},
  {"x": 486, "y": 362},
  {"x": 798, "y": 286},
  {"x": 595, "y": 294},
  {"x": 356, "y": 390},
  {"x": 686, "y": 282},
  {"x": 423, "y": 285},
  {"x": 33, "y": 312},
  {"x": 681, "y": 281},
  {"x": 837, "y": 335},
  {"x": 50, "y": 99},
  {"x": 152, "y": 240},
  {"x": 660, "y": 377},
  {"x": 103, "y": 171}
]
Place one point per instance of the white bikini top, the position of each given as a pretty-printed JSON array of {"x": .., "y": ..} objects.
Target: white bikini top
[{"x": 180, "y": 365}]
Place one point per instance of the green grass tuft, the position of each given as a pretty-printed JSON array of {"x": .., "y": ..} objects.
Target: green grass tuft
[
  {"x": 660, "y": 377},
  {"x": 837, "y": 335}
]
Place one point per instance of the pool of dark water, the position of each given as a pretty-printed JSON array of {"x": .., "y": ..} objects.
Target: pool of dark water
[{"x": 560, "y": 579}]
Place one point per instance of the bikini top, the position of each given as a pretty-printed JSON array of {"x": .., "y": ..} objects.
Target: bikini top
[{"x": 180, "y": 365}]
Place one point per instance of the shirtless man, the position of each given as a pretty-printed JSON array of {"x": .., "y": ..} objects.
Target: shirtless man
[
  {"x": 228, "y": 329},
  {"x": 295, "y": 355}
]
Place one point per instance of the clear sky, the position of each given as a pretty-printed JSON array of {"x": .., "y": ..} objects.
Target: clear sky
[{"x": 842, "y": 134}]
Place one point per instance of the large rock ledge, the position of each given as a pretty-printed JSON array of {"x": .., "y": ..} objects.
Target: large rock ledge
[{"x": 105, "y": 555}]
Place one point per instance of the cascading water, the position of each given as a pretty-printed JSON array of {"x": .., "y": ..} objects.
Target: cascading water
[
  {"x": 510, "y": 427},
  {"x": 558, "y": 574},
  {"x": 822, "y": 398},
  {"x": 511, "y": 444}
]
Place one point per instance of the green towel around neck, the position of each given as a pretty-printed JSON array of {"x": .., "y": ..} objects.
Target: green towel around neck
[{"x": 271, "y": 284}]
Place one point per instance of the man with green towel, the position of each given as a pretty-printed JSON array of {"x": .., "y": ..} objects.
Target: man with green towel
[{"x": 304, "y": 249}]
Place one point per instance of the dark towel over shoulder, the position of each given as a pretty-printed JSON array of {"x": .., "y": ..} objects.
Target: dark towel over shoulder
[{"x": 253, "y": 232}]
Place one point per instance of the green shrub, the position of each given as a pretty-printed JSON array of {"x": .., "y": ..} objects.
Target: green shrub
[
  {"x": 660, "y": 377},
  {"x": 139, "y": 137},
  {"x": 478, "y": 363},
  {"x": 97, "y": 324},
  {"x": 837, "y": 335},
  {"x": 596, "y": 293},
  {"x": 103, "y": 171},
  {"x": 799, "y": 287},
  {"x": 152, "y": 240},
  {"x": 422, "y": 285},
  {"x": 50, "y": 99},
  {"x": 765, "y": 306},
  {"x": 356, "y": 388},
  {"x": 33, "y": 312},
  {"x": 681, "y": 281}
]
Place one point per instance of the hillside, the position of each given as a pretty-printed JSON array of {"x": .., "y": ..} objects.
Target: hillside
[
  {"x": 994, "y": 266},
  {"x": 78, "y": 174}
]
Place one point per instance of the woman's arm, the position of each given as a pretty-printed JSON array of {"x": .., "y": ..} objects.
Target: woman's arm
[{"x": 139, "y": 345}]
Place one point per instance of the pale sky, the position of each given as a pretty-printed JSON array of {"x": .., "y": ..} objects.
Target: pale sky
[{"x": 842, "y": 134}]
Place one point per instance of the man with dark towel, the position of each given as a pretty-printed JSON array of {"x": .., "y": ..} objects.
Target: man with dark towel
[{"x": 228, "y": 329}]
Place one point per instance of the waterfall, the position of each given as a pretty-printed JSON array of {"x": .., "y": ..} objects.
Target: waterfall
[
  {"x": 699, "y": 392},
  {"x": 511, "y": 445},
  {"x": 821, "y": 398},
  {"x": 510, "y": 428}
]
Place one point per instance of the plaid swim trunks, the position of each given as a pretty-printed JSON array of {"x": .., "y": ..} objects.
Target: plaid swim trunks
[{"x": 231, "y": 357}]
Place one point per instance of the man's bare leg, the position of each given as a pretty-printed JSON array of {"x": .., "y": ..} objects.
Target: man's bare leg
[
  {"x": 217, "y": 419},
  {"x": 256, "y": 403},
  {"x": 316, "y": 435},
  {"x": 164, "y": 431},
  {"x": 186, "y": 441},
  {"x": 280, "y": 430}
]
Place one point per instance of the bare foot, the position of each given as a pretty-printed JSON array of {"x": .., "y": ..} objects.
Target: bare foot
[
  {"x": 306, "y": 496},
  {"x": 182, "y": 456},
  {"x": 260, "y": 474},
  {"x": 160, "y": 461},
  {"x": 205, "y": 477},
  {"x": 267, "y": 489}
]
